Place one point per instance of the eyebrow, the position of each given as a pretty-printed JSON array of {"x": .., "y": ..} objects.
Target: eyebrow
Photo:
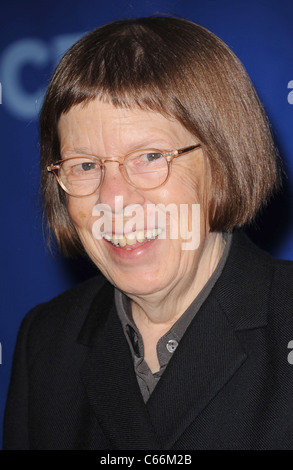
[{"x": 81, "y": 151}]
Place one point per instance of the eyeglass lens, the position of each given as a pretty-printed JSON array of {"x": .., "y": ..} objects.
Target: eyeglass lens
[{"x": 82, "y": 175}]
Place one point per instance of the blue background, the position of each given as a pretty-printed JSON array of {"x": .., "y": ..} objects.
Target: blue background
[{"x": 33, "y": 36}]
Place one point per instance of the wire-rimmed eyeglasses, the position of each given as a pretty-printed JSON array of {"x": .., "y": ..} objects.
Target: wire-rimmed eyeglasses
[{"x": 144, "y": 169}]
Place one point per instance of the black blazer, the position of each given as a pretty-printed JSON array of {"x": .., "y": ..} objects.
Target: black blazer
[{"x": 229, "y": 384}]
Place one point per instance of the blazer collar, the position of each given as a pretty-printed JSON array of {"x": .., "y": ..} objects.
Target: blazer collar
[
  {"x": 243, "y": 290},
  {"x": 208, "y": 356}
]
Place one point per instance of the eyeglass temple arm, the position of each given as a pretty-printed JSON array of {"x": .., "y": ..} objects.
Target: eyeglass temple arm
[
  {"x": 53, "y": 167},
  {"x": 188, "y": 149}
]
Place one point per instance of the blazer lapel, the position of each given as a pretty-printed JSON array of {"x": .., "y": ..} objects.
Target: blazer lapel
[
  {"x": 110, "y": 381},
  {"x": 210, "y": 352},
  {"x": 208, "y": 356}
]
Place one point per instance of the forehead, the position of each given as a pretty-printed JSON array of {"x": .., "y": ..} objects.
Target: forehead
[{"x": 100, "y": 123}]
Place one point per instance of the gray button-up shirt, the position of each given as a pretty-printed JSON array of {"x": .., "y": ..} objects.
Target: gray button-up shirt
[{"x": 168, "y": 343}]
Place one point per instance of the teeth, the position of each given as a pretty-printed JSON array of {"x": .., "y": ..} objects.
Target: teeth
[
  {"x": 130, "y": 239},
  {"x": 133, "y": 237},
  {"x": 140, "y": 236},
  {"x": 149, "y": 234},
  {"x": 121, "y": 240},
  {"x": 114, "y": 240}
]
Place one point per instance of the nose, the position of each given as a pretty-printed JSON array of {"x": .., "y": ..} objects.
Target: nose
[{"x": 114, "y": 185}]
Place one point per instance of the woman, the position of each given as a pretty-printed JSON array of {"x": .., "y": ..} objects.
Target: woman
[{"x": 151, "y": 135}]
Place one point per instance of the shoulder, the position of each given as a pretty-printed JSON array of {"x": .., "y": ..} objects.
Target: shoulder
[
  {"x": 282, "y": 287},
  {"x": 275, "y": 276},
  {"x": 253, "y": 284},
  {"x": 283, "y": 272},
  {"x": 278, "y": 271},
  {"x": 252, "y": 255},
  {"x": 64, "y": 313}
]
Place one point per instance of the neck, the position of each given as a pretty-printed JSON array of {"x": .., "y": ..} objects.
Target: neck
[{"x": 159, "y": 311}]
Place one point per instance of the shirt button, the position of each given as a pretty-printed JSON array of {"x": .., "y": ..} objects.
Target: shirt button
[{"x": 171, "y": 345}]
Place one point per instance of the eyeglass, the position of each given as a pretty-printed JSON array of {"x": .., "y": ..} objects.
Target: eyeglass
[{"x": 82, "y": 175}]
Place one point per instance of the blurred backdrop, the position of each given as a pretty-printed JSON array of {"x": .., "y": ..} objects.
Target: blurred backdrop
[{"x": 33, "y": 36}]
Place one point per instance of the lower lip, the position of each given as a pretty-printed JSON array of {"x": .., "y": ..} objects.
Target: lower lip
[{"x": 133, "y": 253}]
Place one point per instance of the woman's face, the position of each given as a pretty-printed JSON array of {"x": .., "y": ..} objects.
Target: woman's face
[{"x": 147, "y": 266}]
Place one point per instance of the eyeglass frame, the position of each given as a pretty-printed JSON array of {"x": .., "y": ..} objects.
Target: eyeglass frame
[{"x": 169, "y": 156}]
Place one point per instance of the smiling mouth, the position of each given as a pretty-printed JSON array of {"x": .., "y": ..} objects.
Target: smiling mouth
[{"x": 133, "y": 239}]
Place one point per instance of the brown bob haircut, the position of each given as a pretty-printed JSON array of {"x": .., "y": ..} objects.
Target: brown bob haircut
[{"x": 179, "y": 69}]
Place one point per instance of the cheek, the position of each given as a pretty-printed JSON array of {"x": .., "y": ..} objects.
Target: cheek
[
  {"x": 185, "y": 186},
  {"x": 190, "y": 186},
  {"x": 80, "y": 211},
  {"x": 81, "y": 215},
  {"x": 195, "y": 181}
]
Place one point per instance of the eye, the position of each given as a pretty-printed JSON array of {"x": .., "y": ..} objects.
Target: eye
[
  {"x": 87, "y": 166},
  {"x": 149, "y": 161},
  {"x": 84, "y": 169},
  {"x": 79, "y": 167},
  {"x": 151, "y": 157}
]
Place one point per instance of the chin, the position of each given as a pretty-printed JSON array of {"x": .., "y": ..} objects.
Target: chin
[
  {"x": 138, "y": 283},
  {"x": 138, "y": 271},
  {"x": 139, "y": 291}
]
